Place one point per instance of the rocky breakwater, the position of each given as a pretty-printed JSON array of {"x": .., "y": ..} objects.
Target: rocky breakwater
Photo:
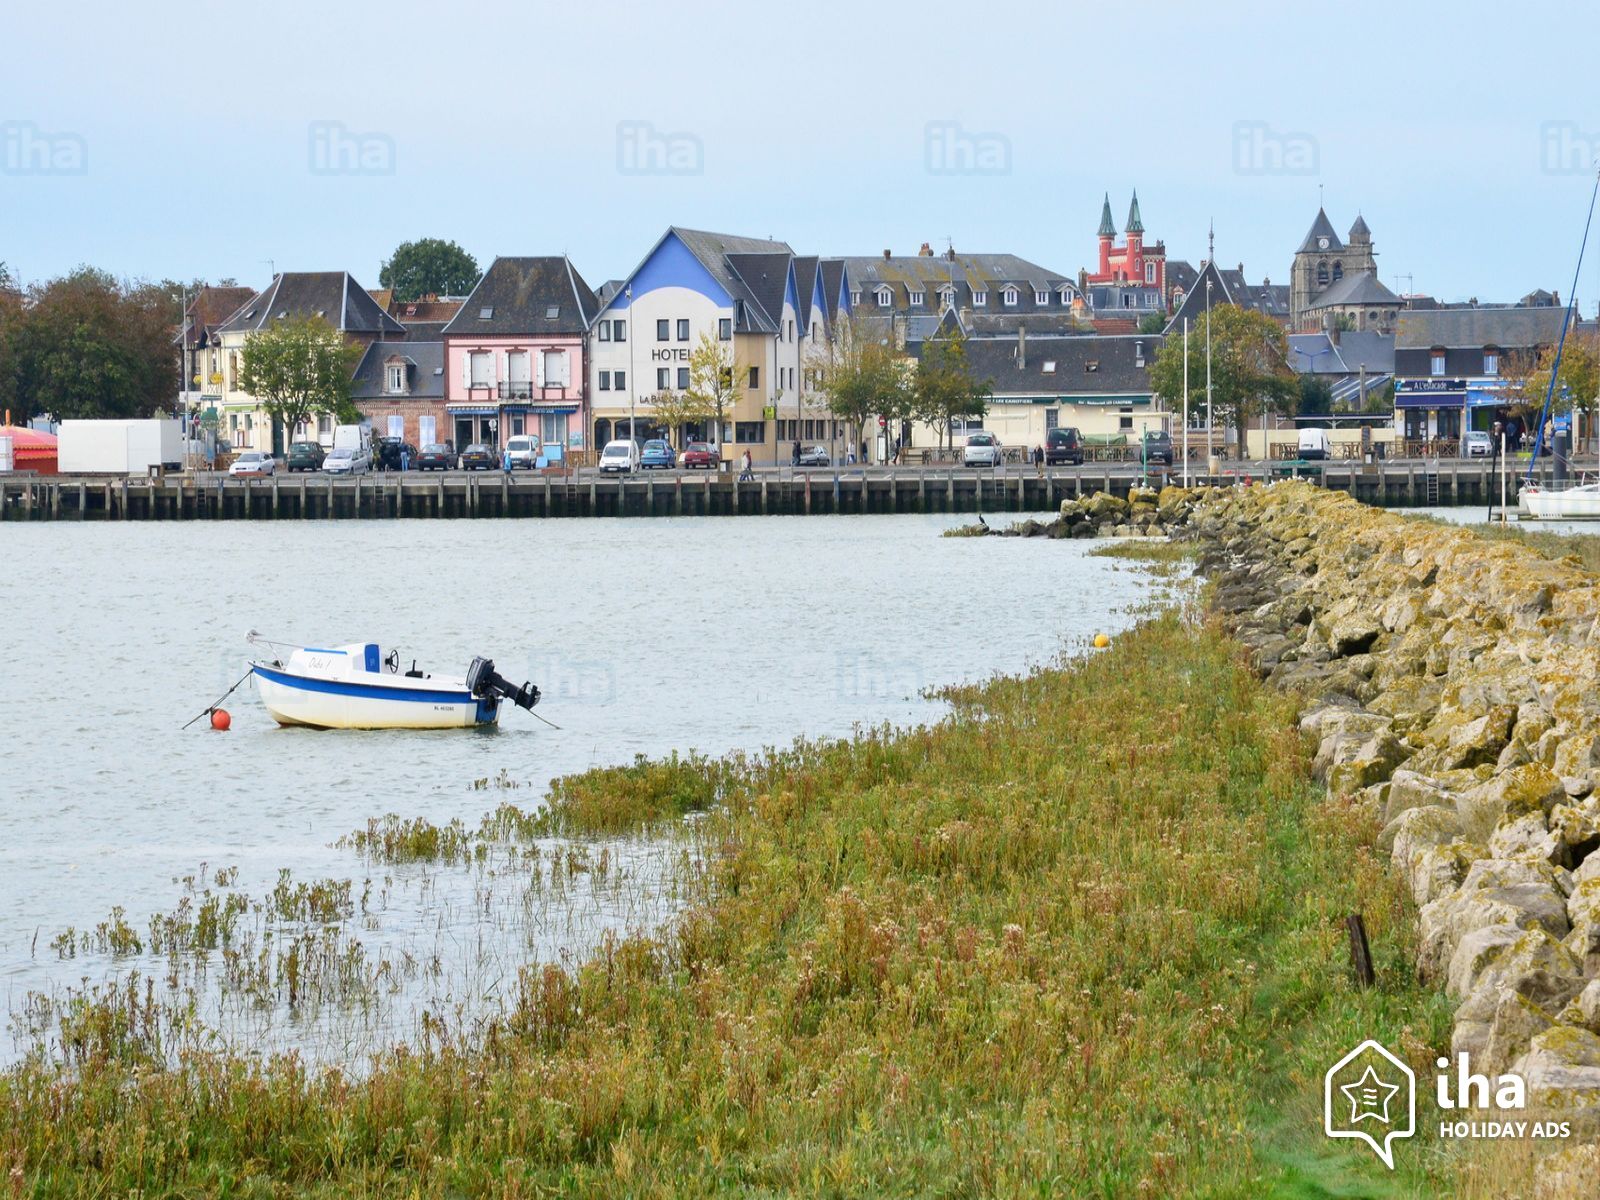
[
  {"x": 1145, "y": 513},
  {"x": 1452, "y": 686}
]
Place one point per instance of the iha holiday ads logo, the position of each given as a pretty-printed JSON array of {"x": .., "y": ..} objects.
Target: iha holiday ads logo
[{"x": 1371, "y": 1095}]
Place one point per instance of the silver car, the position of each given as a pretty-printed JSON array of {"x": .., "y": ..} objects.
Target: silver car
[
  {"x": 1477, "y": 444},
  {"x": 982, "y": 450}
]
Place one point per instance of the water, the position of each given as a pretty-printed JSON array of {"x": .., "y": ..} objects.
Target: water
[
  {"x": 1477, "y": 514},
  {"x": 645, "y": 636}
]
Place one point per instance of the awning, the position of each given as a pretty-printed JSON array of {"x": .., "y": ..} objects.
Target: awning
[{"x": 474, "y": 410}]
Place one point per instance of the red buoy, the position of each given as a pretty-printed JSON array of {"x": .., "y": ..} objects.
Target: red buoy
[{"x": 220, "y": 720}]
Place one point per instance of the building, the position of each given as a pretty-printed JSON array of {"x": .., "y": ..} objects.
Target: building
[
  {"x": 400, "y": 388},
  {"x": 1453, "y": 365},
  {"x": 1356, "y": 365},
  {"x": 1212, "y": 286},
  {"x": 1359, "y": 301},
  {"x": 738, "y": 293},
  {"x": 1140, "y": 271},
  {"x": 1323, "y": 261},
  {"x": 331, "y": 296},
  {"x": 516, "y": 359},
  {"x": 424, "y": 319},
  {"x": 911, "y": 293},
  {"x": 199, "y": 361}
]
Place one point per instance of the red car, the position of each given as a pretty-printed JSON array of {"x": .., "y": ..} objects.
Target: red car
[{"x": 700, "y": 454}]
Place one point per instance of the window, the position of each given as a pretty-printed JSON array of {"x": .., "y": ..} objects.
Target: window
[
  {"x": 855, "y": 297},
  {"x": 395, "y": 380},
  {"x": 556, "y": 370},
  {"x": 750, "y": 433},
  {"x": 885, "y": 297},
  {"x": 1009, "y": 297},
  {"x": 552, "y": 311},
  {"x": 482, "y": 368},
  {"x": 1338, "y": 271},
  {"x": 791, "y": 331},
  {"x": 486, "y": 312},
  {"x": 605, "y": 381},
  {"x": 663, "y": 330},
  {"x": 755, "y": 377},
  {"x": 663, "y": 378},
  {"x": 426, "y": 430},
  {"x": 1436, "y": 363},
  {"x": 683, "y": 329},
  {"x": 683, "y": 379},
  {"x": 1066, "y": 295},
  {"x": 1491, "y": 362},
  {"x": 1322, "y": 274},
  {"x": 917, "y": 298},
  {"x": 1092, "y": 366},
  {"x": 980, "y": 299},
  {"x": 1124, "y": 422},
  {"x": 605, "y": 331},
  {"x": 724, "y": 329},
  {"x": 1049, "y": 366},
  {"x": 619, "y": 380},
  {"x": 1042, "y": 299},
  {"x": 1149, "y": 272},
  {"x": 947, "y": 296},
  {"x": 619, "y": 331}
]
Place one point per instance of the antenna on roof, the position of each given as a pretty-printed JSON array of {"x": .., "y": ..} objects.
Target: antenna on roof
[
  {"x": 1319, "y": 196},
  {"x": 271, "y": 265}
]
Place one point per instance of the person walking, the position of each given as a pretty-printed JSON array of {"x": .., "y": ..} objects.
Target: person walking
[
  {"x": 745, "y": 472},
  {"x": 1038, "y": 460},
  {"x": 505, "y": 460},
  {"x": 794, "y": 455}
]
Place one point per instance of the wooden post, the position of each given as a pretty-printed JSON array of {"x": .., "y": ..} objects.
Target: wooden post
[
  {"x": 505, "y": 494},
  {"x": 1360, "y": 952},
  {"x": 677, "y": 495},
  {"x": 124, "y": 497},
  {"x": 763, "y": 495},
  {"x": 55, "y": 502},
  {"x": 950, "y": 489},
  {"x": 83, "y": 499},
  {"x": 808, "y": 493}
]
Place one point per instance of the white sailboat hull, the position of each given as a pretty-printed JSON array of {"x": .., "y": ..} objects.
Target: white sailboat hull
[{"x": 1569, "y": 504}]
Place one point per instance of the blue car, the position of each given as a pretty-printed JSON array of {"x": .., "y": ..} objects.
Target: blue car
[{"x": 657, "y": 455}]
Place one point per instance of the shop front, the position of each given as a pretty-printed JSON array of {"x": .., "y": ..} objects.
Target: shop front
[
  {"x": 558, "y": 426},
  {"x": 1430, "y": 410},
  {"x": 474, "y": 425}
]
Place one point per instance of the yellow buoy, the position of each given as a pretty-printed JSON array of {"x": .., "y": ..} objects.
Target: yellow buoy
[{"x": 1101, "y": 641}]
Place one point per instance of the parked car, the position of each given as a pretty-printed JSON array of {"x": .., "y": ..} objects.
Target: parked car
[
  {"x": 981, "y": 450},
  {"x": 657, "y": 455},
  {"x": 1314, "y": 444},
  {"x": 305, "y": 456},
  {"x": 620, "y": 456},
  {"x": 437, "y": 456},
  {"x": 347, "y": 460},
  {"x": 701, "y": 454},
  {"x": 253, "y": 462},
  {"x": 479, "y": 457},
  {"x": 525, "y": 450},
  {"x": 1063, "y": 445},
  {"x": 1158, "y": 446},
  {"x": 815, "y": 456},
  {"x": 388, "y": 453},
  {"x": 1477, "y": 444}
]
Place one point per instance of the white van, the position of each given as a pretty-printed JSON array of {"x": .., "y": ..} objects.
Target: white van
[
  {"x": 1314, "y": 443},
  {"x": 353, "y": 437},
  {"x": 524, "y": 451},
  {"x": 620, "y": 455}
]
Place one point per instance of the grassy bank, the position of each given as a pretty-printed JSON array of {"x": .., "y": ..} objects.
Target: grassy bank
[{"x": 1080, "y": 939}]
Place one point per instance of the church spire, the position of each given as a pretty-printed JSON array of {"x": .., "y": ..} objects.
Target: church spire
[
  {"x": 1135, "y": 225},
  {"x": 1108, "y": 227}
]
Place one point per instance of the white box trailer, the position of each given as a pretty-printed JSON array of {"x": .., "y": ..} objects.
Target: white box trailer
[{"x": 120, "y": 447}]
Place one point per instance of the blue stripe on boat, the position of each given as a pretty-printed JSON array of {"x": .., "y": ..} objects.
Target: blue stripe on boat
[{"x": 365, "y": 690}]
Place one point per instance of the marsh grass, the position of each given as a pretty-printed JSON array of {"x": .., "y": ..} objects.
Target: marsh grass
[{"x": 1079, "y": 939}]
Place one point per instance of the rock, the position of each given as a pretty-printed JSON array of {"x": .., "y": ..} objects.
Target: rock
[
  {"x": 1435, "y": 871},
  {"x": 1527, "y": 836},
  {"x": 1530, "y": 788},
  {"x": 1372, "y": 761},
  {"x": 1102, "y": 507},
  {"x": 1587, "y": 1006},
  {"x": 1416, "y": 829},
  {"x": 1516, "y": 995},
  {"x": 1577, "y": 755},
  {"x": 1411, "y": 789},
  {"x": 1354, "y": 633},
  {"x": 1568, "y": 1172},
  {"x": 1448, "y": 923},
  {"x": 1482, "y": 739},
  {"x": 1562, "y": 1072},
  {"x": 1475, "y": 953}
]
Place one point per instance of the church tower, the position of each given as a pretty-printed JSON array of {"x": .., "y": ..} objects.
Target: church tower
[{"x": 1108, "y": 234}]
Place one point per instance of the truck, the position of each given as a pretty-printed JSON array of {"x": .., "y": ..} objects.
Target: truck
[{"x": 120, "y": 447}]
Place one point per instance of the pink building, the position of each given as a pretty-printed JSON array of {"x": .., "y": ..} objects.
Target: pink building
[{"x": 514, "y": 355}]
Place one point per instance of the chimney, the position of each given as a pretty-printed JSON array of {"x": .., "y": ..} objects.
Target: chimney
[
  {"x": 1022, "y": 347},
  {"x": 926, "y": 251},
  {"x": 886, "y": 256}
]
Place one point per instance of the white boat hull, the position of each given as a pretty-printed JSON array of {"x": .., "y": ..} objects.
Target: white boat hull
[
  {"x": 374, "y": 702},
  {"x": 1571, "y": 504}
]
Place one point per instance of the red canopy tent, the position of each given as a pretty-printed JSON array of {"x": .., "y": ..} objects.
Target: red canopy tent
[{"x": 31, "y": 449}]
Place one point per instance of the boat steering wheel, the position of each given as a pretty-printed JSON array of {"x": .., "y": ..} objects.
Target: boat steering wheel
[{"x": 392, "y": 661}]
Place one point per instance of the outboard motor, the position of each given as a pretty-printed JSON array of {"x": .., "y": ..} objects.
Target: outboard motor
[{"x": 483, "y": 682}]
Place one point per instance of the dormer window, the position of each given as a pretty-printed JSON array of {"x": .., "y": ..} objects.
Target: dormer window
[
  {"x": 1491, "y": 360},
  {"x": 947, "y": 296},
  {"x": 1436, "y": 364},
  {"x": 1092, "y": 367},
  {"x": 552, "y": 311},
  {"x": 486, "y": 313},
  {"x": 917, "y": 297},
  {"x": 1009, "y": 297},
  {"x": 855, "y": 297},
  {"x": 1042, "y": 299},
  {"x": 1049, "y": 367},
  {"x": 1066, "y": 295},
  {"x": 395, "y": 378},
  {"x": 980, "y": 299},
  {"x": 885, "y": 297}
]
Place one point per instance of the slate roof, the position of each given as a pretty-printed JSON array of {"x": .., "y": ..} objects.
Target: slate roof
[
  {"x": 332, "y": 295},
  {"x": 1508, "y": 327},
  {"x": 1229, "y": 287},
  {"x": 210, "y": 307},
  {"x": 1358, "y": 287},
  {"x": 1321, "y": 227},
  {"x": 1318, "y": 354},
  {"x": 424, "y": 371},
  {"x": 765, "y": 277},
  {"x": 1359, "y": 229},
  {"x": 981, "y": 272},
  {"x": 1135, "y": 222},
  {"x": 834, "y": 275},
  {"x": 1114, "y": 358},
  {"x": 1108, "y": 227},
  {"x": 805, "y": 280},
  {"x": 519, "y": 295},
  {"x": 1181, "y": 275},
  {"x": 715, "y": 252}
]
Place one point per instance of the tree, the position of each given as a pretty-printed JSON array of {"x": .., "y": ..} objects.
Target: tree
[
  {"x": 1153, "y": 322},
  {"x": 944, "y": 387},
  {"x": 429, "y": 267},
  {"x": 862, "y": 378},
  {"x": 90, "y": 345},
  {"x": 1250, "y": 371},
  {"x": 713, "y": 381},
  {"x": 1316, "y": 396},
  {"x": 299, "y": 367},
  {"x": 1527, "y": 375},
  {"x": 674, "y": 410}
]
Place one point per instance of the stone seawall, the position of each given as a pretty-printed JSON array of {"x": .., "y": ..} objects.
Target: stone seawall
[{"x": 1452, "y": 685}]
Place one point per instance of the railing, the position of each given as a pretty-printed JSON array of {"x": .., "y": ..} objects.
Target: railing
[{"x": 522, "y": 390}]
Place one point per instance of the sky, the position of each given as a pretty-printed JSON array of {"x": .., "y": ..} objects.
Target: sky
[{"x": 190, "y": 140}]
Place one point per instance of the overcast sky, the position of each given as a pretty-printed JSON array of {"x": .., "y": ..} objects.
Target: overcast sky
[{"x": 193, "y": 140}]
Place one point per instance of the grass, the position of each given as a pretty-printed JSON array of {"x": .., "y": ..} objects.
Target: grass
[{"x": 1079, "y": 939}]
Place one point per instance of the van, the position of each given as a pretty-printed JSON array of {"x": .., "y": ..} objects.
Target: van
[
  {"x": 353, "y": 437},
  {"x": 524, "y": 451},
  {"x": 1313, "y": 443},
  {"x": 1063, "y": 445}
]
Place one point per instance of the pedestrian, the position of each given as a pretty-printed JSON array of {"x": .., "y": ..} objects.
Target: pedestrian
[
  {"x": 505, "y": 460},
  {"x": 744, "y": 466},
  {"x": 897, "y": 452},
  {"x": 1038, "y": 460},
  {"x": 794, "y": 455},
  {"x": 405, "y": 458}
]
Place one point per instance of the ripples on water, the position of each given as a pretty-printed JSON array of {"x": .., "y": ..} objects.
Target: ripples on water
[{"x": 646, "y": 636}]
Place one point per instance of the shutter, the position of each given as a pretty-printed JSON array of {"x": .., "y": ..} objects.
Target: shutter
[
  {"x": 538, "y": 367},
  {"x": 563, "y": 369},
  {"x": 466, "y": 370}
]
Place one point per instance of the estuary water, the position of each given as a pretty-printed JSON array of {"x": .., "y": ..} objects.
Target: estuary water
[{"x": 646, "y": 636}]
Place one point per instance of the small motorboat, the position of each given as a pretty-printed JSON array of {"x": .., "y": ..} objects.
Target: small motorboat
[{"x": 359, "y": 687}]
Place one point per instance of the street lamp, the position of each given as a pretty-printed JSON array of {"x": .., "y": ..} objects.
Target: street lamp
[
  {"x": 633, "y": 381},
  {"x": 1210, "y": 445}
]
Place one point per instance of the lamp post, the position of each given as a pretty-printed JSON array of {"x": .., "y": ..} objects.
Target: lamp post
[
  {"x": 1186, "y": 402},
  {"x": 633, "y": 379},
  {"x": 1210, "y": 445}
]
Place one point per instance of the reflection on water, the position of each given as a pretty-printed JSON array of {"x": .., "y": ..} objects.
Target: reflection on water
[{"x": 646, "y": 637}]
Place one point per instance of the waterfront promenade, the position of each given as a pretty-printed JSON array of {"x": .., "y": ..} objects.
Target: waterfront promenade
[{"x": 771, "y": 491}]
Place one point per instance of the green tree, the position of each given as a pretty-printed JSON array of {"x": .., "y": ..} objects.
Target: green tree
[
  {"x": 861, "y": 378},
  {"x": 298, "y": 368},
  {"x": 90, "y": 345},
  {"x": 1250, "y": 371},
  {"x": 713, "y": 381},
  {"x": 429, "y": 267},
  {"x": 1153, "y": 322},
  {"x": 1316, "y": 396},
  {"x": 674, "y": 410},
  {"x": 944, "y": 387},
  {"x": 1527, "y": 375}
]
